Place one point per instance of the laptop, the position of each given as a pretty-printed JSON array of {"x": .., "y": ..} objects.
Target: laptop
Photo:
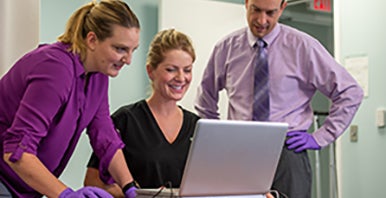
[{"x": 229, "y": 158}]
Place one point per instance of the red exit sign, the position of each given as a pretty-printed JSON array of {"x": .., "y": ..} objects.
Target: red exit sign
[{"x": 322, "y": 5}]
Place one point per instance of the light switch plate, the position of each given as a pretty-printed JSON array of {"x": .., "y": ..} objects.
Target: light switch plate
[
  {"x": 354, "y": 133},
  {"x": 380, "y": 117}
]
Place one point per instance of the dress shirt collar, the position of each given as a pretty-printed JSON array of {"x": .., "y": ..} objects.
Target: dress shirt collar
[
  {"x": 269, "y": 38},
  {"x": 251, "y": 38}
]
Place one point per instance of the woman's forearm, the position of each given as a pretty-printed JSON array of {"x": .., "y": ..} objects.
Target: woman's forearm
[
  {"x": 92, "y": 179},
  {"x": 119, "y": 169},
  {"x": 32, "y": 171}
]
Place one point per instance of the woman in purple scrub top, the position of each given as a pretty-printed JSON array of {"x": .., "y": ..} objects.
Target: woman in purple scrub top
[{"x": 54, "y": 92}]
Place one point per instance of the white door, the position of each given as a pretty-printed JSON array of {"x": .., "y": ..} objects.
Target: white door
[{"x": 19, "y": 22}]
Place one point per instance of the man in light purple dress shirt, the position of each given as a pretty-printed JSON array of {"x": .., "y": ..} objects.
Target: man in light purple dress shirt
[
  {"x": 56, "y": 91},
  {"x": 298, "y": 66}
]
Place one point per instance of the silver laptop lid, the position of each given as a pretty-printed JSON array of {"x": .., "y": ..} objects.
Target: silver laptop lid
[{"x": 230, "y": 157}]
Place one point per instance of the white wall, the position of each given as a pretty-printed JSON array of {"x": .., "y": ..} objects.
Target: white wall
[
  {"x": 361, "y": 31},
  {"x": 205, "y": 22},
  {"x": 19, "y": 22}
]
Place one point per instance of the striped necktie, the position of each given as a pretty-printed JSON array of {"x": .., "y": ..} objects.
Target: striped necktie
[{"x": 261, "y": 84}]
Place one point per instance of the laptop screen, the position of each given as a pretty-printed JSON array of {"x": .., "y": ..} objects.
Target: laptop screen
[{"x": 230, "y": 157}]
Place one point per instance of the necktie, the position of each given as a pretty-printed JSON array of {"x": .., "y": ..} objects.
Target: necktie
[{"x": 261, "y": 84}]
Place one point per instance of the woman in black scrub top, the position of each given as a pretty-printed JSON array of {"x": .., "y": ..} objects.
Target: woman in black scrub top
[{"x": 157, "y": 132}]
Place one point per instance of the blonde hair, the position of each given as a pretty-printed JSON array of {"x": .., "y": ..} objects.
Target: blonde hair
[
  {"x": 98, "y": 18},
  {"x": 165, "y": 41}
]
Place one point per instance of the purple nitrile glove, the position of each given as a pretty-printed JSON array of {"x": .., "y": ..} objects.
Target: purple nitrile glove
[
  {"x": 131, "y": 192},
  {"x": 300, "y": 141},
  {"x": 88, "y": 191}
]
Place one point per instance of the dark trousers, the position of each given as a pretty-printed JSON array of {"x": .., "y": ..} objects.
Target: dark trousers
[{"x": 293, "y": 175}]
